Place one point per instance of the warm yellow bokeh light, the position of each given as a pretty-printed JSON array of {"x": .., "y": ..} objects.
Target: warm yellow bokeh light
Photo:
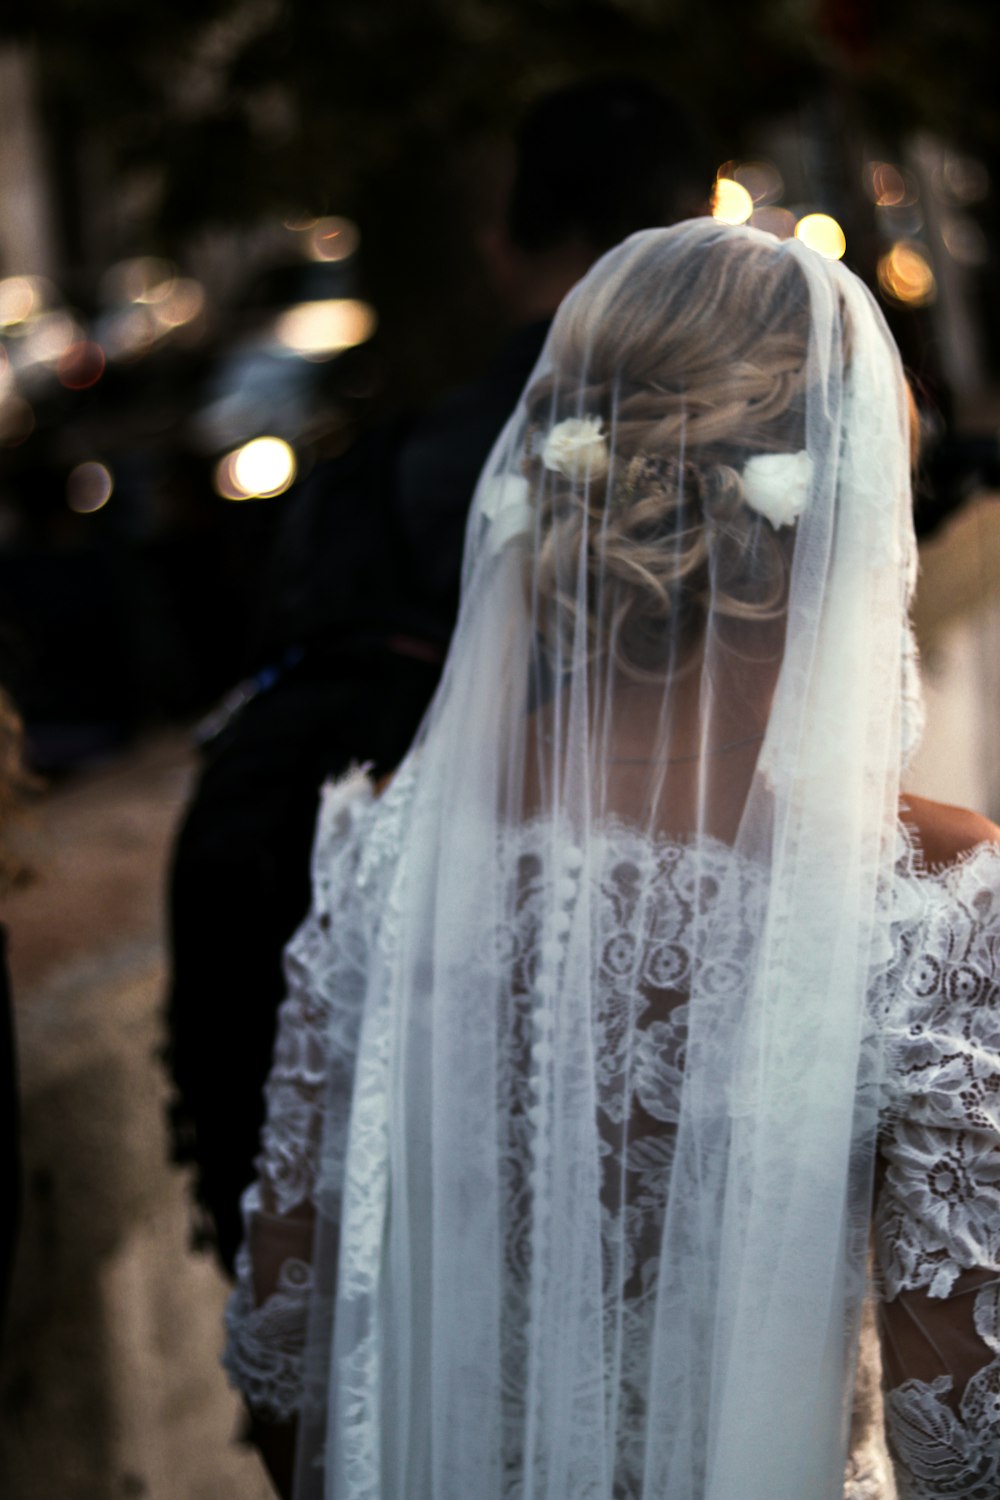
[
  {"x": 905, "y": 274},
  {"x": 20, "y": 296},
  {"x": 332, "y": 239},
  {"x": 261, "y": 468},
  {"x": 89, "y": 487},
  {"x": 731, "y": 203},
  {"x": 822, "y": 234},
  {"x": 323, "y": 328}
]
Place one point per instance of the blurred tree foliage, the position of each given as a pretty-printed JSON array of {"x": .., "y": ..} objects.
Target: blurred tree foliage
[{"x": 229, "y": 111}]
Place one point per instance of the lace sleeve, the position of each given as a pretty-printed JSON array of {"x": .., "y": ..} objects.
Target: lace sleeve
[
  {"x": 938, "y": 1210},
  {"x": 315, "y": 1045}
]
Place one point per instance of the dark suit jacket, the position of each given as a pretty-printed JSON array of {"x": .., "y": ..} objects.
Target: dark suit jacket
[{"x": 365, "y": 586}]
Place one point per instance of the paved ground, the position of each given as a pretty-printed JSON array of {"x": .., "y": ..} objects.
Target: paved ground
[{"x": 109, "y": 1378}]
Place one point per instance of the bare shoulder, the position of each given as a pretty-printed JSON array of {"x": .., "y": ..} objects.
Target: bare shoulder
[{"x": 945, "y": 833}]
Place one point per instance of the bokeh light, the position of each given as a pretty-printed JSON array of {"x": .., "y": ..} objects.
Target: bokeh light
[
  {"x": 258, "y": 470},
  {"x": 761, "y": 179},
  {"x": 905, "y": 274},
  {"x": 48, "y": 336},
  {"x": 963, "y": 179},
  {"x": 822, "y": 234},
  {"x": 80, "y": 365},
  {"x": 224, "y": 482},
  {"x": 144, "y": 278},
  {"x": 265, "y": 466},
  {"x": 129, "y": 334},
  {"x": 182, "y": 301},
  {"x": 731, "y": 203},
  {"x": 319, "y": 329},
  {"x": 89, "y": 487},
  {"x": 889, "y": 186},
  {"x": 964, "y": 240},
  {"x": 332, "y": 239},
  {"x": 21, "y": 297},
  {"x": 775, "y": 220}
]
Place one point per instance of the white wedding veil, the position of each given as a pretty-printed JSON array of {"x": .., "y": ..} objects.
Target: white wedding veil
[{"x": 604, "y": 1218}]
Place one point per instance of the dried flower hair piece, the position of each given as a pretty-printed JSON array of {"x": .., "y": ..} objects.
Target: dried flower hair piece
[{"x": 647, "y": 474}]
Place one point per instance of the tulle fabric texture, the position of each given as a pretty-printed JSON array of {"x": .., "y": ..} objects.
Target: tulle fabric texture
[{"x": 688, "y": 568}]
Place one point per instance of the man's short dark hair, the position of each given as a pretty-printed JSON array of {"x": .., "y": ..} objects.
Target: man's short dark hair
[{"x": 597, "y": 160}]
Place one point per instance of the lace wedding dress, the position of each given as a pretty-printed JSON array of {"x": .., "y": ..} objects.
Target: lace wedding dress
[{"x": 937, "y": 1213}]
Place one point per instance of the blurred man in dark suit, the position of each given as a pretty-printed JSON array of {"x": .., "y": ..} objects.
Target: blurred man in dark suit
[{"x": 362, "y": 600}]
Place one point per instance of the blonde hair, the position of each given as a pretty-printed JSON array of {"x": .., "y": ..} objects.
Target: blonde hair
[{"x": 692, "y": 366}]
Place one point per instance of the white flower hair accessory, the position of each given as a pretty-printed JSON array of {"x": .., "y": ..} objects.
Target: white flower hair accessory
[
  {"x": 776, "y": 485},
  {"x": 577, "y": 448}
]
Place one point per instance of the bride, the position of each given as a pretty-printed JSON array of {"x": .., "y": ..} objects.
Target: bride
[{"x": 640, "y": 1005}]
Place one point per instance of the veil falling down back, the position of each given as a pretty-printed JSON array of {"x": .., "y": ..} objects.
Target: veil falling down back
[{"x": 604, "y": 1207}]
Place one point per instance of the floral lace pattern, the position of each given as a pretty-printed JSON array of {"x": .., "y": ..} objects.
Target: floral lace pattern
[
  {"x": 938, "y": 1213},
  {"x": 936, "y": 1004},
  {"x": 264, "y": 1346},
  {"x": 315, "y": 1045}
]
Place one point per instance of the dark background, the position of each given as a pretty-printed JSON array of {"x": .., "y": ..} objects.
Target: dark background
[{"x": 194, "y": 131}]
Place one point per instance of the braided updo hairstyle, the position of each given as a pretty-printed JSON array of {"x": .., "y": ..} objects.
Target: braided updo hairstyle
[{"x": 691, "y": 367}]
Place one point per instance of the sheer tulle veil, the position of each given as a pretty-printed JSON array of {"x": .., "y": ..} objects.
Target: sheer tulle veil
[{"x": 602, "y": 1230}]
